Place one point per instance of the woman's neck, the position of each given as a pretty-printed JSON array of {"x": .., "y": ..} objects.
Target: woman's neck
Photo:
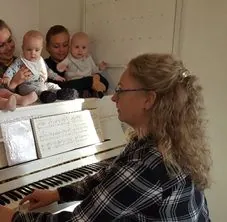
[
  {"x": 57, "y": 61},
  {"x": 141, "y": 132}
]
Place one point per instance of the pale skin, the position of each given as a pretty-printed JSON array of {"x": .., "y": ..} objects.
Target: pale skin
[
  {"x": 7, "y": 47},
  {"x": 9, "y": 100},
  {"x": 133, "y": 108},
  {"x": 58, "y": 46},
  {"x": 32, "y": 48},
  {"x": 79, "y": 49}
]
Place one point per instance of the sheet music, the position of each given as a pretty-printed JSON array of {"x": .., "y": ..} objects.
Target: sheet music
[
  {"x": 61, "y": 133},
  {"x": 19, "y": 142}
]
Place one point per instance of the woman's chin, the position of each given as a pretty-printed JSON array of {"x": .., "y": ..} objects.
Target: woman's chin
[{"x": 120, "y": 117}]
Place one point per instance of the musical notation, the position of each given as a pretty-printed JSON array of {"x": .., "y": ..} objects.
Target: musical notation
[{"x": 61, "y": 133}]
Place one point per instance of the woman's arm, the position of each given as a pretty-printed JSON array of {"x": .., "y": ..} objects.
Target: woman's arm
[{"x": 121, "y": 187}]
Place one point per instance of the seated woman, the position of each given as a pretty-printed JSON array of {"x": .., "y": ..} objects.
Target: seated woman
[
  {"x": 32, "y": 59},
  {"x": 57, "y": 44},
  {"x": 8, "y": 99},
  {"x": 163, "y": 171}
]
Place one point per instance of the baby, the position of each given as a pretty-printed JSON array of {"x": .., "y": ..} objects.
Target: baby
[
  {"x": 79, "y": 63},
  {"x": 9, "y": 100},
  {"x": 31, "y": 58}
]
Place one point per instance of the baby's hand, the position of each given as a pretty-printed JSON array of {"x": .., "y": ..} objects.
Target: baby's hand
[
  {"x": 59, "y": 78},
  {"x": 4, "y": 81},
  {"x": 102, "y": 66},
  {"x": 62, "y": 67}
]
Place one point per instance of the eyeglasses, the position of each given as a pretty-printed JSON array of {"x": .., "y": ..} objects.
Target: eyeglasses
[{"x": 118, "y": 90}]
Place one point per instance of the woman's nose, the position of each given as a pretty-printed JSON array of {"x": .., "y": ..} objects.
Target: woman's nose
[
  {"x": 61, "y": 49},
  {"x": 114, "y": 97}
]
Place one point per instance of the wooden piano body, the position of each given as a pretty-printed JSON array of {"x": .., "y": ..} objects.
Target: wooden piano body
[{"x": 71, "y": 163}]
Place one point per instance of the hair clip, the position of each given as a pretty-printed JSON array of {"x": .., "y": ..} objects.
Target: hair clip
[{"x": 185, "y": 74}]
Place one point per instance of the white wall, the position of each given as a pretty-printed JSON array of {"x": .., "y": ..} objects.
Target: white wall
[
  {"x": 21, "y": 16},
  {"x": 67, "y": 13},
  {"x": 120, "y": 32},
  {"x": 203, "y": 48}
]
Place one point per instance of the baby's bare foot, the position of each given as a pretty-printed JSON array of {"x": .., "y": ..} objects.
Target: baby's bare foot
[
  {"x": 11, "y": 104},
  {"x": 27, "y": 100},
  {"x": 98, "y": 86}
]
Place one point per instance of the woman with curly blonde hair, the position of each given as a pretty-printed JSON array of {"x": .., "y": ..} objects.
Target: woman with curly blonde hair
[
  {"x": 162, "y": 172},
  {"x": 177, "y": 117}
]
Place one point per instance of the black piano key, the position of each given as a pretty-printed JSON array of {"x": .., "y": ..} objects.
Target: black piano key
[
  {"x": 82, "y": 171},
  {"x": 16, "y": 194},
  {"x": 94, "y": 169},
  {"x": 48, "y": 183},
  {"x": 52, "y": 181},
  {"x": 28, "y": 189},
  {"x": 36, "y": 186},
  {"x": 22, "y": 191},
  {"x": 94, "y": 166},
  {"x": 86, "y": 170},
  {"x": 98, "y": 166},
  {"x": 78, "y": 173},
  {"x": 6, "y": 200},
  {"x": 59, "y": 182},
  {"x": 72, "y": 175},
  {"x": 11, "y": 196},
  {"x": 68, "y": 178},
  {"x": 2, "y": 202},
  {"x": 31, "y": 189},
  {"x": 44, "y": 186},
  {"x": 63, "y": 178}
]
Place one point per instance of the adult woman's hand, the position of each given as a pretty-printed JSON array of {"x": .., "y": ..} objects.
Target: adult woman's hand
[{"x": 41, "y": 198}]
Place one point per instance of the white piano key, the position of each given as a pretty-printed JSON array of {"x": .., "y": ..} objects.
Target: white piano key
[
  {"x": 55, "y": 207},
  {"x": 27, "y": 179}
]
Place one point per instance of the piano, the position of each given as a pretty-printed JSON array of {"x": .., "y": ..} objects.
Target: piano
[{"x": 46, "y": 146}]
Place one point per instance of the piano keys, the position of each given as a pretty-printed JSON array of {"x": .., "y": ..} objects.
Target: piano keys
[
  {"x": 71, "y": 165},
  {"x": 13, "y": 197}
]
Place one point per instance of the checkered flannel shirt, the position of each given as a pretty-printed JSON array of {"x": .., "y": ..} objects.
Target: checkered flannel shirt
[{"x": 135, "y": 187}]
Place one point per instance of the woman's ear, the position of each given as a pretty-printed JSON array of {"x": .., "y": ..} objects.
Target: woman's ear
[{"x": 149, "y": 102}]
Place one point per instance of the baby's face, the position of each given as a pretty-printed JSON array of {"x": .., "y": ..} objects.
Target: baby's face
[
  {"x": 79, "y": 47},
  {"x": 32, "y": 49}
]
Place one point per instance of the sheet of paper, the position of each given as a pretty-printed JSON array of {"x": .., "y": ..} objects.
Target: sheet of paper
[
  {"x": 61, "y": 133},
  {"x": 19, "y": 142}
]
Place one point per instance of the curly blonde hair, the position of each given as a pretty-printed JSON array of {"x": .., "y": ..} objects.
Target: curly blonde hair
[{"x": 177, "y": 123}]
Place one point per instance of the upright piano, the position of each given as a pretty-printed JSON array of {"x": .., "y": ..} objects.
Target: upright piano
[{"x": 45, "y": 146}]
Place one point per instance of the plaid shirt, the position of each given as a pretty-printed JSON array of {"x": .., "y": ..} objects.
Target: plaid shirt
[{"x": 135, "y": 187}]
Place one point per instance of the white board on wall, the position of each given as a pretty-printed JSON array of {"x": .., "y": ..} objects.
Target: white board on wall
[{"x": 122, "y": 29}]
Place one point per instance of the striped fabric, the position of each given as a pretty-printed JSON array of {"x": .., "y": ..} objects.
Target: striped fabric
[{"x": 135, "y": 187}]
